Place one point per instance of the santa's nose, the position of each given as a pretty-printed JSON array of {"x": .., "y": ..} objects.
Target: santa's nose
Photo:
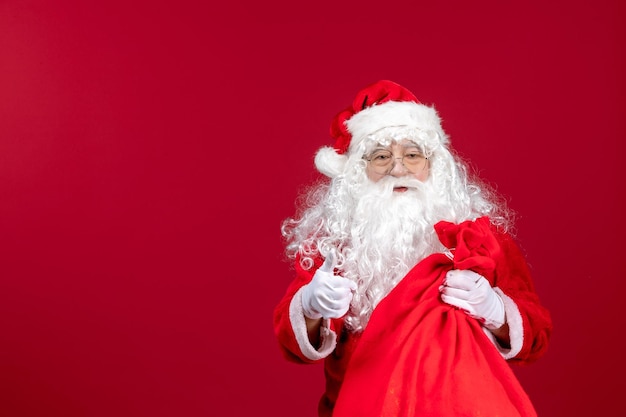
[{"x": 398, "y": 169}]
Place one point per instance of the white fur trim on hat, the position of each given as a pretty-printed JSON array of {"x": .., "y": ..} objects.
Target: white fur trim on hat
[
  {"x": 393, "y": 113},
  {"x": 329, "y": 162}
]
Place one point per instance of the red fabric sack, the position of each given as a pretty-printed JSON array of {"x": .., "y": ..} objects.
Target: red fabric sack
[{"x": 421, "y": 357}]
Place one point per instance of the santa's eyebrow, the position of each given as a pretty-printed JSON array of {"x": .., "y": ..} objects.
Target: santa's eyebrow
[
  {"x": 380, "y": 147},
  {"x": 410, "y": 144}
]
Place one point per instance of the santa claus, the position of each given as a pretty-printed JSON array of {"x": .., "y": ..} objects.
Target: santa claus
[{"x": 409, "y": 284}]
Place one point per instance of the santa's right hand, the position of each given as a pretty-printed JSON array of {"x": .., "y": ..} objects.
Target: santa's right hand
[{"x": 327, "y": 295}]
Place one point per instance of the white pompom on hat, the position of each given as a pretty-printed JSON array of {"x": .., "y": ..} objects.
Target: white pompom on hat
[{"x": 381, "y": 105}]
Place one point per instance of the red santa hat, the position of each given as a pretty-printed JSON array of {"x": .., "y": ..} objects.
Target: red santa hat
[{"x": 381, "y": 105}]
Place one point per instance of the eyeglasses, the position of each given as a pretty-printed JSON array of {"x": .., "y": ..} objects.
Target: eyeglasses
[{"x": 382, "y": 160}]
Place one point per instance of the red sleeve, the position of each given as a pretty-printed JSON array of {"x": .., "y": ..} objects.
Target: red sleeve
[{"x": 514, "y": 279}]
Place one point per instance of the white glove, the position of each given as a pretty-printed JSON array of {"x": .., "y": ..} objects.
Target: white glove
[
  {"x": 327, "y": 295},
  {"x": 472, "y": 292}
]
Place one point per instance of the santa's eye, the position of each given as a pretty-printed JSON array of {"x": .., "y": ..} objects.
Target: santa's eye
[
  {"x": 380, "y": 156},
  {"x": 413, "y": 156}
]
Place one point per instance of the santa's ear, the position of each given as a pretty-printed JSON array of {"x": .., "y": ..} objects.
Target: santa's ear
[{"x": 329, "y": 162}]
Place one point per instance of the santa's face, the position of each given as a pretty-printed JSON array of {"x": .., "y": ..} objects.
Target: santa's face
[{"x": 399, "y": 159}]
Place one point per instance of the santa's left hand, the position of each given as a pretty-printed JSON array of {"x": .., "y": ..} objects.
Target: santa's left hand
[{"x": 472, "y": 292}]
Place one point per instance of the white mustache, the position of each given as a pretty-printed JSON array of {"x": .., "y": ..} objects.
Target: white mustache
[{"x": 389, "y": 183}]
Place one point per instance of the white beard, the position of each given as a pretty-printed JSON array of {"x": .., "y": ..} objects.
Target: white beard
[
  {"x": 377, "y": 234},
  {"x": 390, "y": 232}
]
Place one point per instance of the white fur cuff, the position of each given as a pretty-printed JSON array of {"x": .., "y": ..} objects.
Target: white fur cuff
[
  {"x": 516, "y": 328},
  {"x": 328, "y": 338}
]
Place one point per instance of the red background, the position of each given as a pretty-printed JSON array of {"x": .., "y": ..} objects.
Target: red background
[{"x": 150, "y": 150}]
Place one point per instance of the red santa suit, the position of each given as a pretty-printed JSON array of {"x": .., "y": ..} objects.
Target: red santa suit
[{"x": 419, "y": 356}]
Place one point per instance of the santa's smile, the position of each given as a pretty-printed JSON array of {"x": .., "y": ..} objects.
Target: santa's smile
[{"x": 400, "y": 189}]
